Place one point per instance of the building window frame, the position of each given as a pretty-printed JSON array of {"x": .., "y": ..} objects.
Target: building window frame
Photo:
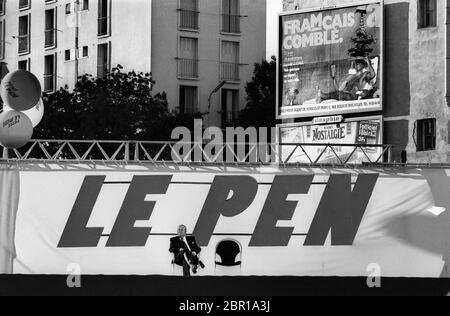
[
  {"x": 51, "y": 32},
  {"x": 187, "y": 68},
  {"x": 182, "y": 108},
  {"x": 230, "y": 22},
  {"x": 2, "y": 39},
  {"x": 50, "y": 78},
  {"x": 24, "y": 37},
  {"x": 229, "y": 71},
  {"x": 189, "y": 19},
  {"x": 426, "y": 14},
  {"x": 226, "y": 117},
  {"x": 24, "y": 6},
  {"x": 27, "y": 63},
  {"x": 426, "y": 134},
  {"x": 104, "y": 69},
  {"x": 104, "y": 22},
  {"x": 2, "y": 7}
]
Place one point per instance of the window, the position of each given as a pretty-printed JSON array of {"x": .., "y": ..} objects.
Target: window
[
  {"x": 229, "y": 66},
  {"x": 50, "y": 29},
  {"x": 426, "y": 135},
  {"x": 24, "y": 4},
  {"x": 188, "y": 100},
  {"x": 2, "y": 7},
  {"x": 230, "y": 106},
  {"x": 49, "y": 73},
  {"x": 85, "y": 51},
  {"x": 24, "y": 64},
  {"x": 103, "y": 60},
  {"x": 188, "y": 14},
  {"x": 427, "y": 13},
  {"x": 103, "y": 18},
  {"x": 188, "y": 60},
  {"x": 231, "y": 20},
  {"x": 69, "y": 8},
  {"x": 69, "y": 55},
  {"x": 2, "y": 39},
  {"x": 85, "y": 5},
  {"x": 24, "y": 34}
]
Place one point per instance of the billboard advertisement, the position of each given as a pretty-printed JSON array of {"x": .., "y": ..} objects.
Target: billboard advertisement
[
  {"x": 354, "y": 131},
  {"x": 330, "y": 61},
  {"x": 118, "y": 220}
]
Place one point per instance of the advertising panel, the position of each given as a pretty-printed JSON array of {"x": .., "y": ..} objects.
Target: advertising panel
[
  {"x": 358, "y": 132},
  {"x": 118, "y": 220},
  {"x": 330, "y": 61}
]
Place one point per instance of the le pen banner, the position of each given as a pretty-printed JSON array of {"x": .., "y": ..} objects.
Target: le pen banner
[
  {"x": 113, "y": 220},
  {"x": 330, "y": 61},
  {"x": 360, "y": 132}
]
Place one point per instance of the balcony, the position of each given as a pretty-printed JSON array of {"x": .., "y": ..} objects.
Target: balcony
[
  {"x": 231, "y": 23},
  {"x": 188, "y": 19},
  {"x": 103, "y": 26},
  {"x": 229, "y": 71},
  {"x": 24, "y": 43},
  {"x": 50, "y": 38},
  {"x": 49, "y": 83},
  {"x": 187, "y": 68}
]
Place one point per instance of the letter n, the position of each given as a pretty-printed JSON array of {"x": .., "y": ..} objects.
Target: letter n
[{"x": 341, "y": 210}]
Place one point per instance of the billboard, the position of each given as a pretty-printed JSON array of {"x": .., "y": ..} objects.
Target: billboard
[
  {"x": 360, "y": 132},
  {"x": 118, "y": 219},
  {"x": 330, "y": 61}
]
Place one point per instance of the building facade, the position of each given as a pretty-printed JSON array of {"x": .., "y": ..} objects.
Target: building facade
[
  {"x": 416, "y": 110},
  {"x": 59, "y": 40},
  {"x": 204, "y": 53}
]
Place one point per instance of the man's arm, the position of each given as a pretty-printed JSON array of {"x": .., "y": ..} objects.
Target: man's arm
[
  {"x": 173, "y": 247},
  {"x": 196, "y": 246}
]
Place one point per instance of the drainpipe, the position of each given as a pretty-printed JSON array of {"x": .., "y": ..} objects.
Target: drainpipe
[{"x": 447, "y": 24}]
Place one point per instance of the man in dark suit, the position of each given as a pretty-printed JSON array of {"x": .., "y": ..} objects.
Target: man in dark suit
[{"x": 186, "y": 251}]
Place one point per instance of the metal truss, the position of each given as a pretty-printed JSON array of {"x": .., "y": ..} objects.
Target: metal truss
[{"x": 204, "y": 153}]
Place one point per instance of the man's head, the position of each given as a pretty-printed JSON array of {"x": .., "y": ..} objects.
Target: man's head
[
  {"x": 360, "y": 64},
  {"x": 182, "y": 230}
]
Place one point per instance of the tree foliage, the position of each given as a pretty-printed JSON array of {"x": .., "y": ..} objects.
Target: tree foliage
[{"x": 261, "y": 96}]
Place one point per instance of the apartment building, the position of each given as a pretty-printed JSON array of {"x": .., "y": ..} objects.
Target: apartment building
[
  {"x": 204, "y": 53},
  {"x": 59, "y": 40},
  {"x": 416, "y": 97}
]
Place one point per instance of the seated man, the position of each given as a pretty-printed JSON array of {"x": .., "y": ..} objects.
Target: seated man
[{"x": 186, "y": 251}]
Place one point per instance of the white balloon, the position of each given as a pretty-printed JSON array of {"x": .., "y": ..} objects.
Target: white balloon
[
  {"x": 36, "y": 113},
  {"x": 20, "y": 90},
  {"x": 16, "y": 129}
]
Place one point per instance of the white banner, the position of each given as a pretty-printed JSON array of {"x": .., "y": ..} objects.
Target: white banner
[{"x": 296, "y": 222}]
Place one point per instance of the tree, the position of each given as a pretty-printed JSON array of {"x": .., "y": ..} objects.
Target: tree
[
  {"x": 261, "y": 97},
  {"x": 118, "y": 107}
]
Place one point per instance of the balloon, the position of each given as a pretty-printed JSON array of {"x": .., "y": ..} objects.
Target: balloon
[
  {"x": 16, "y": 129},
  {"x": 20, "y": 90},
  {"x": 35, "y": 114}
]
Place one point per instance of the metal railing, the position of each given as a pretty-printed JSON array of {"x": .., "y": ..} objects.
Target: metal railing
[
  {"x": 187, "y": 68},
  {"x": 229, "y": 71},
  {"x": 231, "y": 23},
  {"x": 195, "y": 153},
  {"x": 188, "y": 19}
]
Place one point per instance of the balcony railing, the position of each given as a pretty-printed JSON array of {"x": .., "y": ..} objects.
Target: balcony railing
[
  {"x": 188, "y": 68},
  {"x": 103, "y": 26},
  {"x": 49, "y": 83},
  {"x": 188, "y": 19},
  {"x": 24, "y": 43},
  {"x": 229, "y": 71},
  {"x": 50, "y": 38},
  {"x": 231, "y": 23}
]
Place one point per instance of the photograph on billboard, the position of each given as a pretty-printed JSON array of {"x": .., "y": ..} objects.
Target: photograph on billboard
[
  {"x": 353, "y": 135},
  {"x": 330, "y": 61}
]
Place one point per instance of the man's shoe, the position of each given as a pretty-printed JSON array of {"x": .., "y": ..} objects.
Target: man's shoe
[
  {"x": 194, "y": 270},
  {"x": 201, "y": 264}
]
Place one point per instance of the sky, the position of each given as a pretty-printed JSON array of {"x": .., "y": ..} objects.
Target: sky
[{"x": 274, "y": 7}]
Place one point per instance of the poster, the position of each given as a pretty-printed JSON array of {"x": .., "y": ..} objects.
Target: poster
[
  {"x": 330, "y": 62},
  {"x": 362, "y": 132}
]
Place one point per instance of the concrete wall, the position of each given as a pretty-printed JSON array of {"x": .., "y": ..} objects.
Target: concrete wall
[
  {"x": 130, "y": 37},
  {"x": 165, "y": 35},
  {"x": 414, "y": 76}
]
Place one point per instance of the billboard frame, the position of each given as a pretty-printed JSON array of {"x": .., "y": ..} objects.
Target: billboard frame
[{"x": 279, "y": 84}]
